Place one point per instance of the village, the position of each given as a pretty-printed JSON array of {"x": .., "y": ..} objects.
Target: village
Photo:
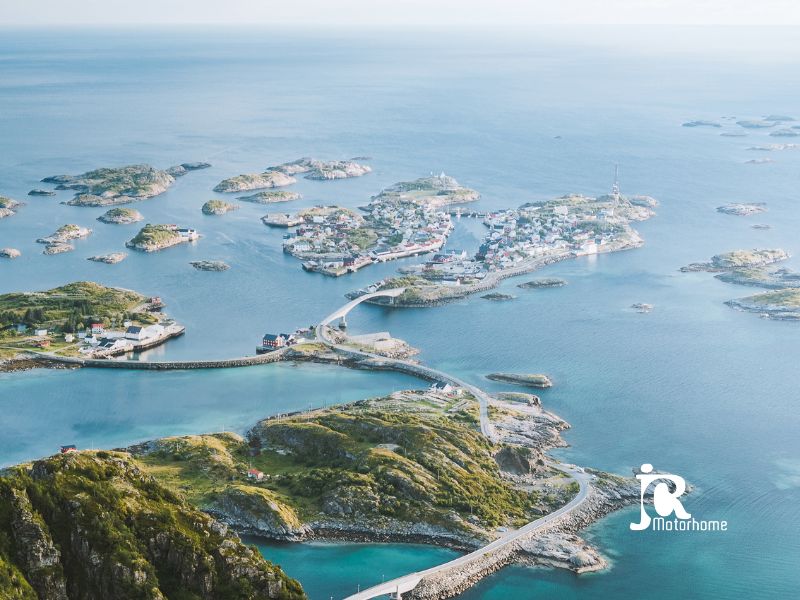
[
  {"x": 571, "y": 225},
  {"x": 335, "y": 241}
]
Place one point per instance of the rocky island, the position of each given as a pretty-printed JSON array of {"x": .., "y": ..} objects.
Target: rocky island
[
  {"x": 738, "y": 259},
  {"x": 58, "y": 241},
  {"x": 121, "y": 216},
  {"x": 531, "y": 380},
  {"x": 544, "y": 282},
  {"x": 184, "y": 168},
  {"x": 152, "y": 238},
  {"x": 40, "y": 192},
  {"x": 210, "y": 265},
  {"x": 110, "y": 186},
  {"x": 109, "y": 259},
  {"x": 10, "y": 253},
  {"x": 497, "y": 296},
  {"x": 8, "y": 206},
  {"x": 702, "y": 123},
  {"x": 769, "y": 278},
  {"x": 743, "y": 209},
  {"x": 781, "y": 305},
  {"x": 271, "y": 197},
  {"x": 324, "y": 170},
  {"x": 254, "y": 181},
  {"x": 218, "y": 207},
  {"x": 96, "y": 525},
  {"x": 435, "y": 191}
]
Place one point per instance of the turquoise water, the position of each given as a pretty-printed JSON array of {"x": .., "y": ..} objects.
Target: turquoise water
[{"x": 694, "y": 387}]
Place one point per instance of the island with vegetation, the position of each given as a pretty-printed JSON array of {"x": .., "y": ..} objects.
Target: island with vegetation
[
  {"x": 218, "y": 207},
  {"x": 254, "y": 181},
  {"x": 271, "y": 197},
  {"x": 435, "y": 191},
  {"x": 96, "y": 525},
  {"x": 412, "y": 466},
  {"x": 8, "y": 206},
  {"x": 152, "y": 238},
  {"x": 121, "y": 216},
  {"x": 739, "y": 259},
  {"x": 324, "y": 170},
  {"x": 781, "y": 304},
  {"x": 520, "y": 241},
  {"x": 110, "y": 186}
]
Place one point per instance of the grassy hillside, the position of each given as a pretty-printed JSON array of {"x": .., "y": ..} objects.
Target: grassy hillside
[{"x": 95, "y": 526}]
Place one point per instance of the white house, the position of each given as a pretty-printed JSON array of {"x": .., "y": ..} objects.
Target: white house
[{"x": 40, "y": 332}]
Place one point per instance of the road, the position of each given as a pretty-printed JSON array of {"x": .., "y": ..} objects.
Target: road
[{"x": 408, "y": 582}]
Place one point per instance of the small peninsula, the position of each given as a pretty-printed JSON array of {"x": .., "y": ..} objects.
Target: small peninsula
[
  {"x": 121, "y": 216},
  {"x": 152, "y": 238},
  {"x": 96, "y": 525},
  {"x": 218, "y": 207}
]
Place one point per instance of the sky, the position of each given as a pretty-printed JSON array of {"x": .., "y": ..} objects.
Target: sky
[{"x": 386, "y": 13}]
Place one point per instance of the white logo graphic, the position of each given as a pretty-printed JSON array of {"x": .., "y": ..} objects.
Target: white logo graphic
[{"x": 666, "y": 501}]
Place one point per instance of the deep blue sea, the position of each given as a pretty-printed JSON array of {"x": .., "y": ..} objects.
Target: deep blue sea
[{"x": 693, "y": 387}]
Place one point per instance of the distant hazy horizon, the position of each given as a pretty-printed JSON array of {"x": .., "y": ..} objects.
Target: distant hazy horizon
[{"x": 370, "y": 13}]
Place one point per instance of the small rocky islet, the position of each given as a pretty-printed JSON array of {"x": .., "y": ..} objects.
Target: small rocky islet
[
  {"x": 218, "y": 207},
  {"x": 121, "y": 216},
  {"x": 58, "y": 241},
  {"x": 10, "y": 253},
  {"x": 741, "y": 209},
  {"x": 155, "y": 237},
  {"x": 109, "y": 259},
  {"x": 270, "y": 197},
  {"x": 536, "y": 380},
  {"x": 542, "y": 282},
  {"x": 40, "y": 192},
  {"x": 498, "y": 297},
  {"x": 210, "y": 265}
]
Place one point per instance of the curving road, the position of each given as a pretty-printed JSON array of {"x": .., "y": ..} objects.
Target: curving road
[{"x": 406, "y": 583}]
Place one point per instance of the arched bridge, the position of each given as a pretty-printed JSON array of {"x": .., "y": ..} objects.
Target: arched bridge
[{"x": 342, "y": 312}]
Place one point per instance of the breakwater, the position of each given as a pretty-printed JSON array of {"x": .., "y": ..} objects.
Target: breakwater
[{"x": 244, "y": 361}]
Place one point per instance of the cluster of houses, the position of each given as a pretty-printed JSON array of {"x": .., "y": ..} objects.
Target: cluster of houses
[
  {"x": 103, "y": 343},
  {"x": 577, "y": 225},
  {"x": 333, "y": 241},
  {"x": 275, "y": 341}
]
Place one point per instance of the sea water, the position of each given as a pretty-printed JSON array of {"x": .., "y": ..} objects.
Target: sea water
[{"x": 693, "y": 387}]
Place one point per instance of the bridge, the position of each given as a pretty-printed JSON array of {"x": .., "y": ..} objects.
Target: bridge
[
  {"x": 489, "y": 557},
  {"x": 405, "y": 366}
]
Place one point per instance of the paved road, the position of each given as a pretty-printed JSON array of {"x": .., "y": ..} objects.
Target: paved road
[
  {"x": 404, "y": 365},
  {"x": 410, "y": 581}
]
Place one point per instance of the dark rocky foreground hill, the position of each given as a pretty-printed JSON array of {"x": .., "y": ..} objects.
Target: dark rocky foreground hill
[{"x": 93, "y": 526}]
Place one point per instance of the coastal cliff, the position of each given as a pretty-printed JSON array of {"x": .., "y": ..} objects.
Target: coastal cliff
[{"x": 93, "y": 526}]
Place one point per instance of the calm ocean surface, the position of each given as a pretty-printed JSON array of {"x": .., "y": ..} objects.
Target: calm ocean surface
[{"x": 694, "y": 387}]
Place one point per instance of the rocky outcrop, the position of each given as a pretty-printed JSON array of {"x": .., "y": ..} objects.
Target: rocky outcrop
[
  {"x": 8, "y": 206},
  {"x": 322, "y": 170},
  {"x": 38, "y": 192},
  {"x": 543, "y": 282},
  {"x": 258, "y": 511},
  {"x": 10, "y": 253},
  {"x": 57, "y": 248},
  {"x": 65, "y": 233},
  {"x": 183, "y": 168},
  {"x": 742, "y": 209},
  {"x": 271, "y": 197},
  {"x": 121, "y": 216},
  {"x": 254, "y": 181},
  {"x": 497, "y": 296},
  {"x": 210, "y": 265},
  {"x": 529, "y": 379},
  {"x": 739, "y": 259},
  {"x": 109, "y": 259}
]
